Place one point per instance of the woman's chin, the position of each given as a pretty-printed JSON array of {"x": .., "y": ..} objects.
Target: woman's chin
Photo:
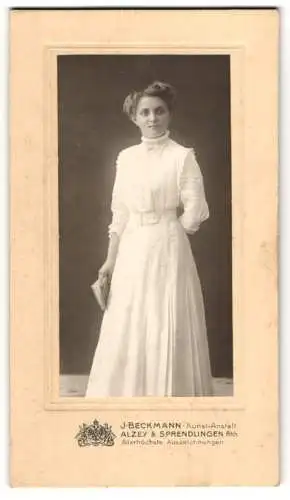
[{"x": 154, "y": 133}]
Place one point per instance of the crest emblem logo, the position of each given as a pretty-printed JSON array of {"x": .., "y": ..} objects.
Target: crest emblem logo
[{"x": 95, "y": 434}]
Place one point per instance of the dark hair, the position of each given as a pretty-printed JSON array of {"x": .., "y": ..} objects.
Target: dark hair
[{"x": 156, "y": 89}]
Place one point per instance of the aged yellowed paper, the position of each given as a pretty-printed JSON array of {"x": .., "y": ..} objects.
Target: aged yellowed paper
[{"x": 225, "y": 440}]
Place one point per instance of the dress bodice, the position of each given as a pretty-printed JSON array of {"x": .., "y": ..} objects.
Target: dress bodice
[{"x": 155, "y": 176}]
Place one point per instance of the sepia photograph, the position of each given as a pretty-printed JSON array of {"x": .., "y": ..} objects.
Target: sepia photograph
[
  {"x": 144, "y": 247},
  {"x": 145, "y": 225}
]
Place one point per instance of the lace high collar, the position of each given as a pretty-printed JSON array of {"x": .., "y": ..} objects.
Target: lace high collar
[{"x": 155, "y": 142}]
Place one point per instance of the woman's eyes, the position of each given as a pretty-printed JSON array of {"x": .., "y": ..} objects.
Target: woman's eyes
[{"x": 146, "y": 112}]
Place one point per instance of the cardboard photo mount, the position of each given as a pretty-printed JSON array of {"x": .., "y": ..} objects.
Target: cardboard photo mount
[{"x": 99, "y": 442}]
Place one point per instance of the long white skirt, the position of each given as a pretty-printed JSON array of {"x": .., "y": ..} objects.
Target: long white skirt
[{"x": 153, "y": 339}]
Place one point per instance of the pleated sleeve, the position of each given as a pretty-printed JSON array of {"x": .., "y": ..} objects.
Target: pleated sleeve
[
  {"x": 192, "y": 194},
  {"x": 120, "y": 213}
]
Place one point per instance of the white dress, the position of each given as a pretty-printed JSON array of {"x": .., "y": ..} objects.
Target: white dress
[{"x": 153, "y": 339}]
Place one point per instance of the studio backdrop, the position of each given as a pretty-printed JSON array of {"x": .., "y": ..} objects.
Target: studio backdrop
[{"x": 92, "y": 130}]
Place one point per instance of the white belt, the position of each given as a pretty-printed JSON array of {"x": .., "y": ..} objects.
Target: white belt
[{"x": 148, "y": 218}]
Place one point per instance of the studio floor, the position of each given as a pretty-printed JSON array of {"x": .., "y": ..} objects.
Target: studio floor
[{"x": 75, "y": 386}]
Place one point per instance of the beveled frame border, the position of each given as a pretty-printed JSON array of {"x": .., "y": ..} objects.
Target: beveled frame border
[{"x": 50, "y": 179}]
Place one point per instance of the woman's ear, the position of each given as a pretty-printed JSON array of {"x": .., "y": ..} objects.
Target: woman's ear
[{"x": 133, "y": 119}]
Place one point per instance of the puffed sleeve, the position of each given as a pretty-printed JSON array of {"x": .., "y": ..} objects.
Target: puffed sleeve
[
  {"x": 119, "y": 209},
  {"x": 192, "y": 195}
]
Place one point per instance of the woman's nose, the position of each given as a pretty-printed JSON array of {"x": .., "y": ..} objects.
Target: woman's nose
[{"x": 152, "y": 116}]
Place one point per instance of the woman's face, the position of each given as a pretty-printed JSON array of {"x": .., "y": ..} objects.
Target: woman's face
[{"x": 152, "y": 116}]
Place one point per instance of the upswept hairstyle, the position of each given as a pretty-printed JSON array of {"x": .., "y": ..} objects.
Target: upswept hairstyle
[{"x": 156, "y": 89}]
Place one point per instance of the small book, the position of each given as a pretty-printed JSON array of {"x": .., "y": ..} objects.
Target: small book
[{"x": 101, "y": 289}]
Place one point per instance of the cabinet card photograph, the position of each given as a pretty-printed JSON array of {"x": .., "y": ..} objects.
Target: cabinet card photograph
[{"x": 143, "y": 174}]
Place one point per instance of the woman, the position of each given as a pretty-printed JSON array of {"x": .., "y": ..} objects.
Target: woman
[{"x": 153, "y": 339}]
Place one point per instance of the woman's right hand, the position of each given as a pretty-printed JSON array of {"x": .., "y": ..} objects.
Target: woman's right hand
[{"x": 107, "y": 269}]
